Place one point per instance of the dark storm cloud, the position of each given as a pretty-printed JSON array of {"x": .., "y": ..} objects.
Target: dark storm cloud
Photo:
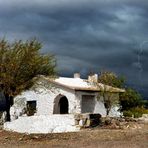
[{"x": 84, "y": 35}]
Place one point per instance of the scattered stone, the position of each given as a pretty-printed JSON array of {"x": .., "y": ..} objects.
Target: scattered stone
[
  {"x": 20, "y": 139},
  {"x": 35, "y": 137},
  {"x": 77, "y": 122},
  {"x": 143, "y": 119},
  {"x": 130, "y": 119},
  {"x": 120, "y": 123},
  {"x": 2, "y": 118},
  {"x": 87, "y": 120},
  {"x": 145, "y": 115},
  {"x": 81, "y": 123},
  {"x": 88, "y": 123}
]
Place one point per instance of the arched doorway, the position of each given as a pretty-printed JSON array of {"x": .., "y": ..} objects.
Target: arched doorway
[{"x": 61, "y": 105}]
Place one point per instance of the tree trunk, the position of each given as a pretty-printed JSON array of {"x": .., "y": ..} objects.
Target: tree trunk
[
  {"x": 107, "y": 112},
  {"x": 107, "y": 107},
  {"x": 7, "y": 107}
]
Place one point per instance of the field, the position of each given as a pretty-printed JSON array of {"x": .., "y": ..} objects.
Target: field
[{"x": 87, "y": 138}]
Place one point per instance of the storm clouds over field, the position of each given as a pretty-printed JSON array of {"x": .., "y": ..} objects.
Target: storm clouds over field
[{"x": 84, "y": 34}]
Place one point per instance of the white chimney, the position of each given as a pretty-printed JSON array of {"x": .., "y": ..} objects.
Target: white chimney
[
  {"x": 76, "y": 75},
  {"x": 93, "y": 78}
]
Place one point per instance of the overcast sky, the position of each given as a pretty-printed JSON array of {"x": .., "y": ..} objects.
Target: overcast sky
[{"x": 85, "y": 35}]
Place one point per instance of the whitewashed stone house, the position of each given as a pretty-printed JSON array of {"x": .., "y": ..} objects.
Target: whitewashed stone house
[{"x": 63, "y": 96}]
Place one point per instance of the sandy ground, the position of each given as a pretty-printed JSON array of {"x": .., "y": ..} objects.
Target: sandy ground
[{"x": 88, "y": 138}]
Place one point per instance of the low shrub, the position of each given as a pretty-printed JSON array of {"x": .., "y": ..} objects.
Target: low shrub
[
  {"x": 135, "y": 112},
  {"x": 127, "y": 113}
]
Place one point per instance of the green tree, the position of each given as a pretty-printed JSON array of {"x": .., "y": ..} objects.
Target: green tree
[
  {"x": 111, "y": 79},
  {"x": 130, "y": 99},
  {"x": 20, "y": 62},
  {"x": 146, "y": 104},
  {"x": 132, "y": 104}
]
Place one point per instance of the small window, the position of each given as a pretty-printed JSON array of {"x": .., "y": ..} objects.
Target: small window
[{"x": 31, "y": 108}]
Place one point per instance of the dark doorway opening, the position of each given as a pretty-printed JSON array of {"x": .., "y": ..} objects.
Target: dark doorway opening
[{"x": 63, "y": 105}]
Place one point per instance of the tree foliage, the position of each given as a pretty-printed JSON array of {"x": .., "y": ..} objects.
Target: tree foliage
[
  {"x": 130, "y": 99},
  {"x": 20, "y": 62},
  {"x": 110, "y": 78}
]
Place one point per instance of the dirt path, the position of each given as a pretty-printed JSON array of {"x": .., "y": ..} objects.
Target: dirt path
[{"x": 90, "y": 138}]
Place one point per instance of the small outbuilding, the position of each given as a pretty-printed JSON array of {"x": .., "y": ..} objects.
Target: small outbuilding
[{"x": 63, "y": 95}]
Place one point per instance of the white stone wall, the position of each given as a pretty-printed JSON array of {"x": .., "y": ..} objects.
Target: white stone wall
[
  {"x": 45, "y": 101},
  {"x": 99, "y": 108},
  {"x": 43, "y": 124}
]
